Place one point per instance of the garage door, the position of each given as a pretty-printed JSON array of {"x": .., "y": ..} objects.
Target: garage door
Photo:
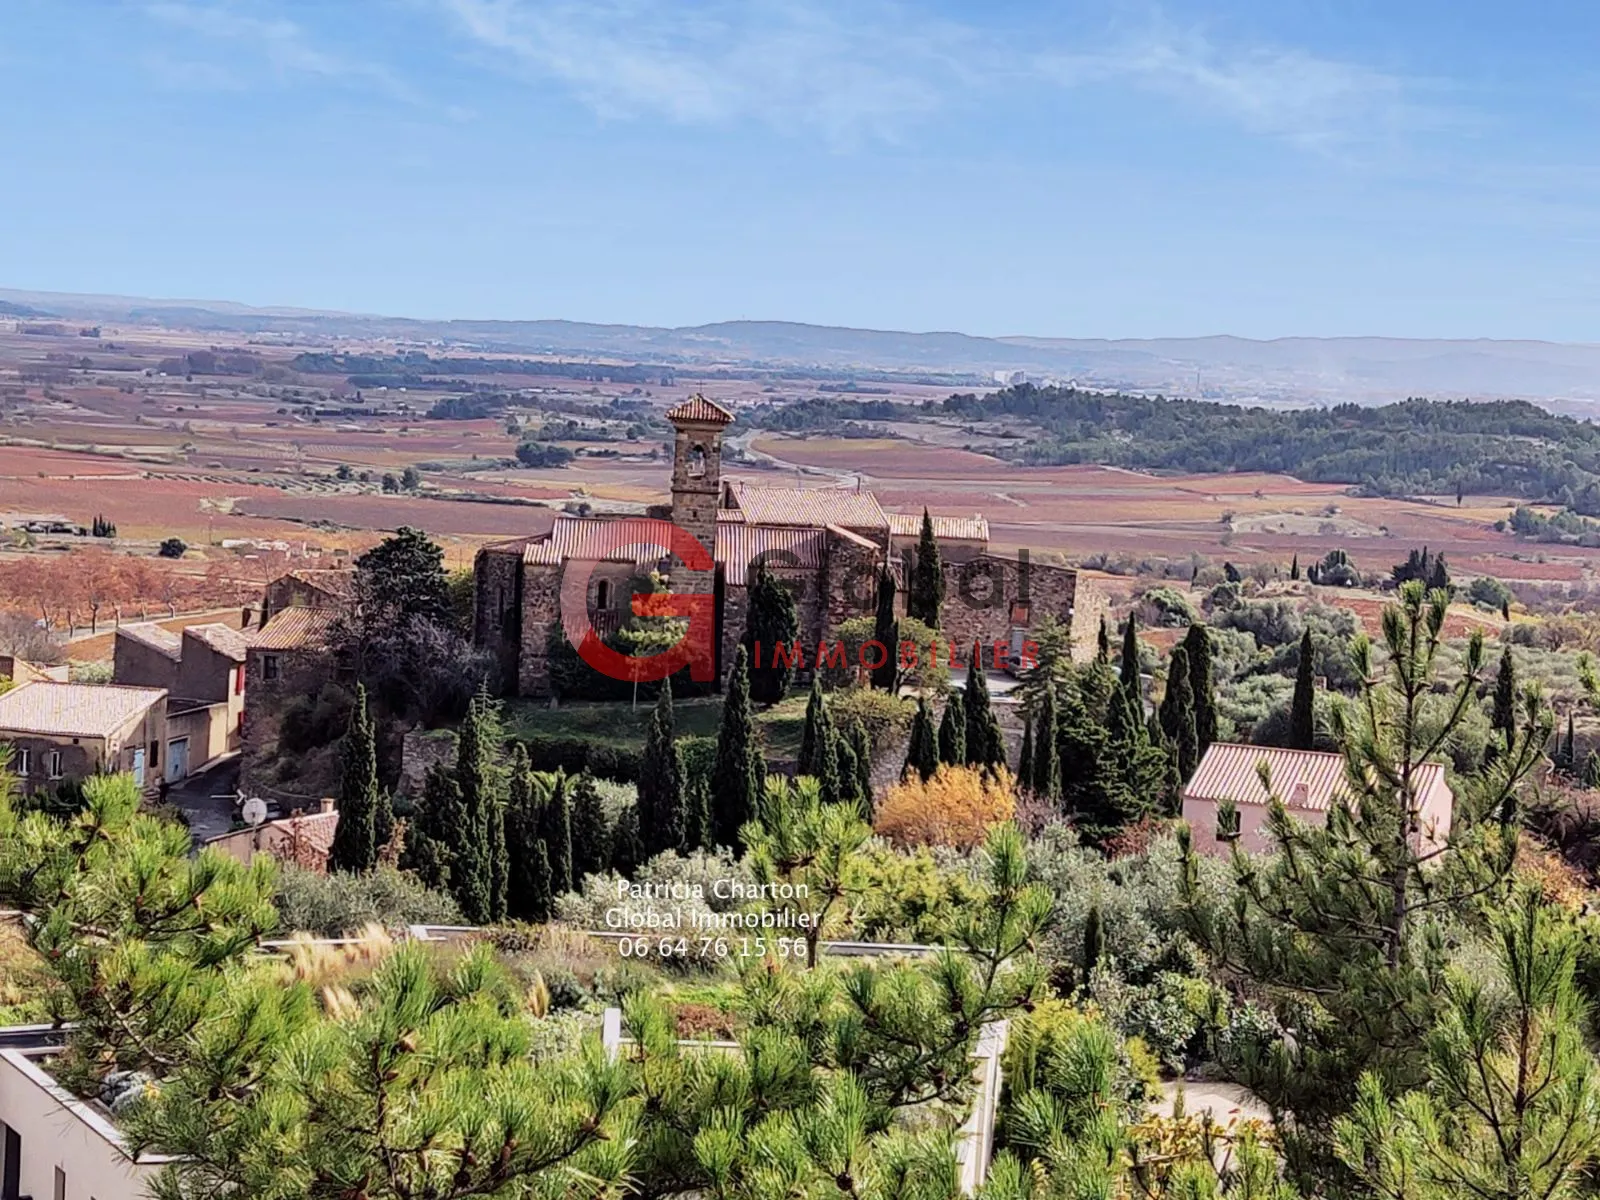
[{"x": 177, "y": 759}]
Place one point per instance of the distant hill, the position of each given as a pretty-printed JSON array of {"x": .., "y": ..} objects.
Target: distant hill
[
  {"x": 8, "y": 309},
  {"x": 1284, "y": 372}
]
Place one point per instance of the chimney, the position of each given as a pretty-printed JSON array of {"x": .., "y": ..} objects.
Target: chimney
[
  {"x": 244, "y": 617},
  {"x": 1300, "y": 795},
  {"x": 325, "y": 805}
]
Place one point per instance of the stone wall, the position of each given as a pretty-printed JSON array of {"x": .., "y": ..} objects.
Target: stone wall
[
  {"x": 850, "y": 584},
  {"x": 541, "y": 613},
  {"x": 497, "y": 609},
  {"x": 986, "y": 596}
]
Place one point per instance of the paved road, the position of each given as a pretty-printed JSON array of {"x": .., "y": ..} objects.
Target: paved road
[{"x": 208, "y": 816}]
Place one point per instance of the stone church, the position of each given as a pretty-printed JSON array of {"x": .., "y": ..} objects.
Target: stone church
[{"x": 827, "y": 545}]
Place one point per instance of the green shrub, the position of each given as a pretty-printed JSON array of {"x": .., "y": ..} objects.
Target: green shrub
[
  {"x": 1168, "y": 606},
  {"x": 575, "y": 755},
  {"x": 885, "y": 717},
  {"x": 338, "y": 903},
  {"x": 1489, "y": 592}
]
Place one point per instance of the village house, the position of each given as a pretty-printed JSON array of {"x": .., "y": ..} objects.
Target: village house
[
  {"x": 1309, "y": 782},
  {"x": 827, "y": 545},
  {"x": 202, "y": 670},
  {"x": 65, "y": 732}
]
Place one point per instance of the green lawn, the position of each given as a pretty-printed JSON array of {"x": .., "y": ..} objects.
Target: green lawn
[{"x": 621, "y": 725}]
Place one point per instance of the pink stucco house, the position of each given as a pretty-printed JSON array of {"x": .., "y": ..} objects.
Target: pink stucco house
[{"x": 1307, "y": 781}]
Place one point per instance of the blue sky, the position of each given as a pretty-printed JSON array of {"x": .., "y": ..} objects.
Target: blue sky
[{"x": 1097, "y": 169}]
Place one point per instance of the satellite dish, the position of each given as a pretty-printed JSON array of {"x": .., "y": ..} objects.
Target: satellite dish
[{"x": 254, "y": 810}]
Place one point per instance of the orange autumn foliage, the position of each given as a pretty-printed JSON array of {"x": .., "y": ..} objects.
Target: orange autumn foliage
[{"x": 953, "y": 808}]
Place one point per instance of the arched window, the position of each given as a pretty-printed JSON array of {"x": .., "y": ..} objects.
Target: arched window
[
  {"x": 697, "y": 461},
  {"x": 602, "y": 594}
]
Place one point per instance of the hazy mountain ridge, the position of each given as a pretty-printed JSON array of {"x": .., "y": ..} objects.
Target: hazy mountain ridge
[{"x": 1283, "y": 370}]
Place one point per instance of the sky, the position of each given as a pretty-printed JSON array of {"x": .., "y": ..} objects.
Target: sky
[{"x": 1264, "y": 168}]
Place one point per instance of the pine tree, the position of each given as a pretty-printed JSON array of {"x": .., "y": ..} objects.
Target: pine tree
[
  {"x": 661, "y": 806},
  {"x": 1303, "y": 712},
  {"x": 478, "y": 779},
  {"x": 772, "y": 619},
  {"x": 925, "y": 601},
  {"x": 1025, "y": 756},
  {"x": 1094, "y": 941},
  {"x": 737, "y": 777},
  {"x": 1197, "y": 644},
  {"x": 591, "y": 835},
  {"x": 863, "y": 755},
  {"x": 1511, "y": 1104},
  {"x": 1102, "y": 646},
  {"x": 627, "y": 851},
  {"x": 555, "y": 831},
  {"x": 355, "y": 846},
  {"x": 1177, "y": 715},
  {"x": 922, "y": 755},
  {"x": 1046, "y": 752},
  {"x": 1375, "y": 967},
  {"x": 953, "y": 733},
  {"x": 885, "y": 631},
  {"x": 1129, "y": 674},
  {"x": 1294, "y": 567},
  {"x": 1505, "y": 696},
  {"x": 985, "y": 745}
]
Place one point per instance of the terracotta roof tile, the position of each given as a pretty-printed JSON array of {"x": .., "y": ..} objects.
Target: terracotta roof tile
[
  {"x": 221, "y": 638},
  {"x": 155, "y": 637},
  {"x": 74, "y": 709},
  {"x": 698, "y": 408},
  {"x": 1304, "y": 779},
  {"x": 294, "y": 628},
  {"x": 740, "y": 545},
  {"x": 971, "y": 529},
  {"x": 815, "y": 507}
]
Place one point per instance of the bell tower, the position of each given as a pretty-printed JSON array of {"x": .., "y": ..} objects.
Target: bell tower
[{"x": 697, "y": 476}]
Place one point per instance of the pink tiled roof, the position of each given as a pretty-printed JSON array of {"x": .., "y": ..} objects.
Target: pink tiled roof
[
  {"x": 969, "y": 529},
  {"x": 740, "y": 545},
  {"x": 75, "y": 709},
  {"x": 593, "y": 539},
  {"x": 698, "y": 408},
  {"x": 164, "y": 641},
  {"x": 817, "y": 507},
  {"x": 338, "y": 582},
  {"x": 1304, "y": 779}
]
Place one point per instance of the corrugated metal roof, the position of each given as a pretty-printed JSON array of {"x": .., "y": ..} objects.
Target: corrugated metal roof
[
  {"x": 221, "y": 638},
  {"x": 817, "y": 507},
  {"x": 969, "y": 529},
  {"x": 294, "y": 628},
  {"x": 740, "y": 545},
  {"x": 163, "y": 641},
  {"x": 1304, "y": 779},
  {"x": 698, "y": 408},
  {"x": 74, "y": 709}
]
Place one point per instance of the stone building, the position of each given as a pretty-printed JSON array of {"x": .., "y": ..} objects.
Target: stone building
[{"x": 826, "y": 545}]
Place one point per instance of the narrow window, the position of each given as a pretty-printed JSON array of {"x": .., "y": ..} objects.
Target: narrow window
[
  {"x": 53, "y": 764},
  {"x": 155, "y": 753},
  {"x": 24, "y": 762},
  {"x": 269, "y": 666},
  {"x": 602, "y": 594}
]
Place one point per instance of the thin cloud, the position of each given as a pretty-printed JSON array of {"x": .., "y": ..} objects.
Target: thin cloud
[
  {"x": 1317, "y": 103},
  {"x": 280, "y": 44},
  {"x": 847, "y": 69}
]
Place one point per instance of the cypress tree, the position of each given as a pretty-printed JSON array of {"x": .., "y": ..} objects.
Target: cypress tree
[
  {"x": 772, "y": 619},
  {"x": 383, "y": 824},
  {"x": 1102, "y": 645},
  {"x": 556, "y": 833},
  {"x": 627, "y": 852},
  {"x": 863, "y": 754},
  {"x": 1046, "y": 755},
  {"x": 1591, "y": 770},
  {"x": 477, "y": 778},
  {"x": 953, "y": 733},
  {"x": 885, "y": 630},
  {"x": 591, "y": 834},
  {"x": 736, "y": 777},
  {"x": 922, "y": 756},
  {"x": 1505, "y": 696},
  {"x": 1177, "y": 715},
  {"x": 355, "y": 846},
  {"x": 846, "y": 775},
  {"x": 696, "y": 808},
  {"x": 1025, "y": 756},
  {"x": 1094, "y": 941},
  {"x": 528, "y": 882},
  {"x": 926, "y": 599},
  {"x": 985, "y": 746},
  {"x": 1294, "y": 568},
  {"x": 1197, "y": 644},
  {"x": 1303, "y": 712},
  {"x": 1091, "y": 788},
  {"x": 815, "y": 735},
  {"x": 661, "y": 807},
  {"x": 1137, "y": 763},
  {"x": 1129, "y": 673}
]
